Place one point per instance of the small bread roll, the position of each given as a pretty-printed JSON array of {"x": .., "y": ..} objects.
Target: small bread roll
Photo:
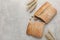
[{"x": 35, "y": 29}]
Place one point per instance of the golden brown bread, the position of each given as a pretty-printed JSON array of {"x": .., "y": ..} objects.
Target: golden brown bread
[
  {"x": 35, "y": 29},
  {"x": 41, "y": 9},
  {"x": 46, "y": 12}
]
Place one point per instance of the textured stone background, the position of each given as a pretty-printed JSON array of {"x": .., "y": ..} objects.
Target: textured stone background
[{"x": 14, "y": 19}]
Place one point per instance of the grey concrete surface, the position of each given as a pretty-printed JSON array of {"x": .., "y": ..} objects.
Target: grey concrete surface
[{"x": 14, "y": 20}]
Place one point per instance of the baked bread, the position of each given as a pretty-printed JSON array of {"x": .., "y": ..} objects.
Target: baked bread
[
  {"x": 35, "y": 29},
  {"x": 46, "y": 12},
  {"x": 41, "y": 9}
]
